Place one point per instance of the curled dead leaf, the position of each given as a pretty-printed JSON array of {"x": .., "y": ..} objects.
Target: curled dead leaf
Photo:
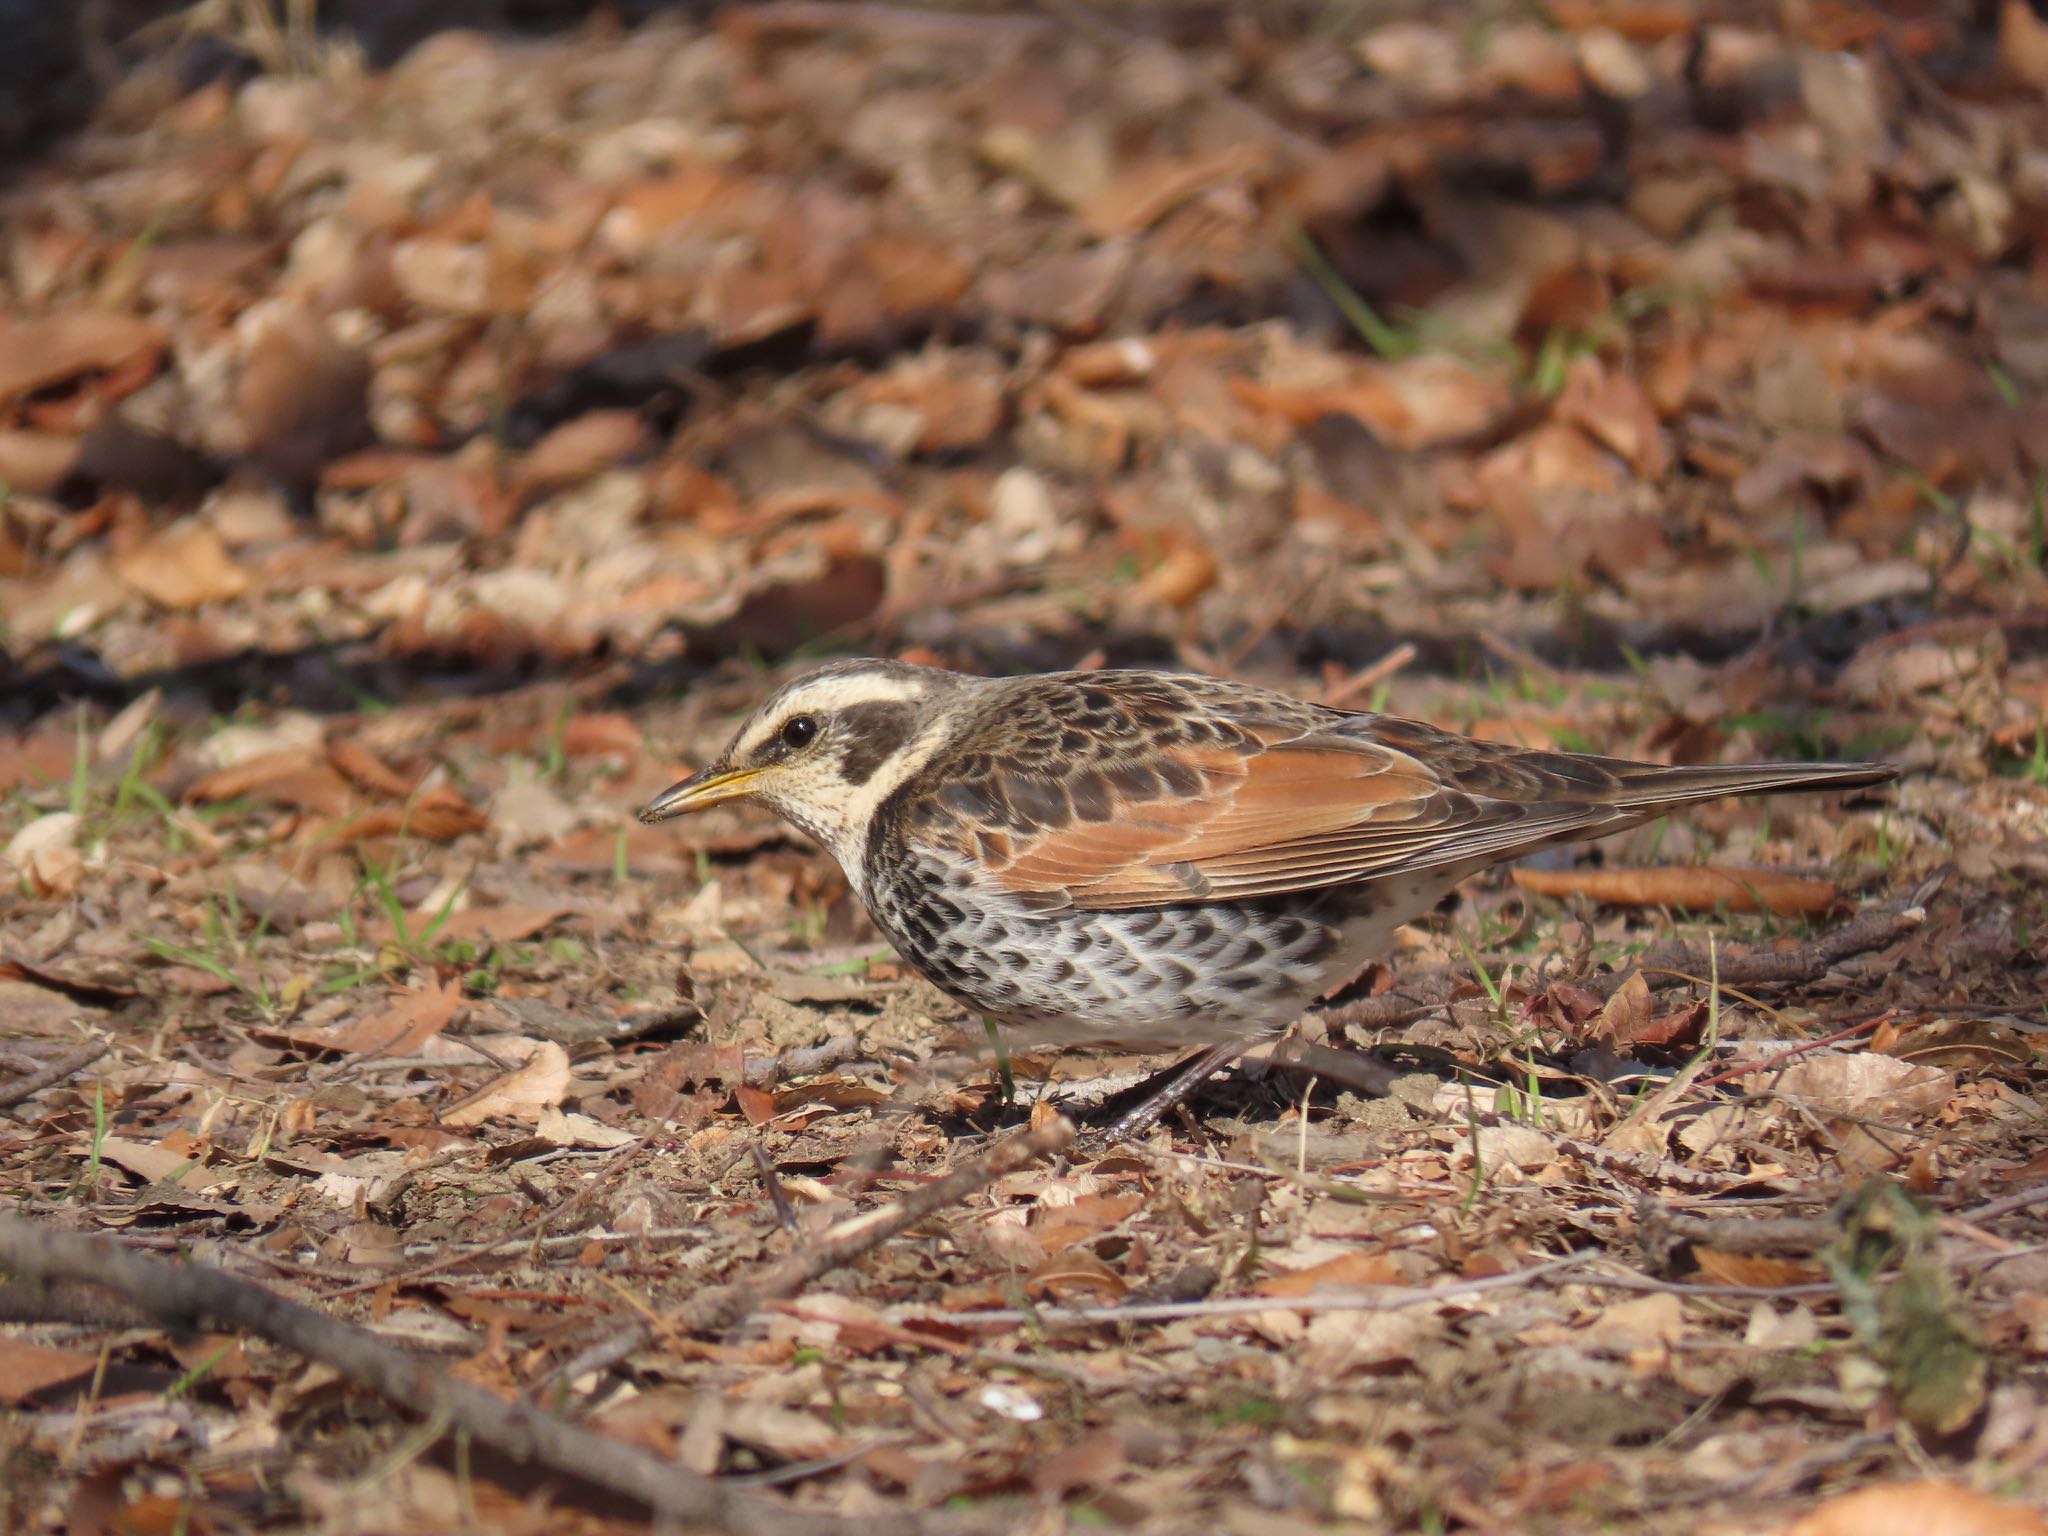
[
  {"x": 39, "y": 353},
  {"x": 45, "y": 854},
  {"x": 440, "y": 816},
  {"x": 1694, "y": 886},
  {"x": 1074, "y": 1271}
]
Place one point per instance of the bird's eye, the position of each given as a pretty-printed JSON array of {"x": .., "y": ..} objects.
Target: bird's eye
[{"x": 799, "y": 731}]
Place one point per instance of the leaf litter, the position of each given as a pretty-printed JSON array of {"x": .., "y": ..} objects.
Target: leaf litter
[{"x": 410, "y": 467}]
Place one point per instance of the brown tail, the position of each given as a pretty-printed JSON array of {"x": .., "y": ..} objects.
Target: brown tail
[{"x": 1644, "y": 786}]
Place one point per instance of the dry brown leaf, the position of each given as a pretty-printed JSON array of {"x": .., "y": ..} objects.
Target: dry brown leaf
[
  {"x": 1062, "y": 1226},
  {"x": 293, "y": 776},
  {"x": 1347, "y": 1271},
  {"x": 756, "y": 1104},
  {"x": 535, "y": 1085},
  {"x": 149, "y": 1162},
  {"x": 37, "y": 761},
  {"x": 1865, "y": 1083},
  {"x": 365, "y": 769},
  {"x": 1074, "y": 1271},
  {"x": 1612, "y": 408},
  {"x": 1093, "y": 1461},
  {"x": 1627, "y": 1019},
  {"x": 2023, "y": 44},
  {"x": 580, "y": 448},
  {"x": 1627, "y": 1013},
  {"x": 412, "y": 1020},
  {"x": 600, "y": 736},
  {"x": 510, "y": 924},
  {"x": 1695, "y": 885},
  {"x": 1641, "y": 1322},
  {"x": 1758, "y": 1269},
  {"x": 440, "y": 816},
  {"x": 39, "y": 353},
  {"x": 184, "y": 566},
  {"x": 1930, "y": 1508},
  {"x": 26, "y": 1369},
  {"x": 1185, "y": 572},
  {"x": 36, "y": 462}
]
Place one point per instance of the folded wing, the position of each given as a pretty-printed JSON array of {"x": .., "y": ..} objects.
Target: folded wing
[{"x": 1276, "y": 810}]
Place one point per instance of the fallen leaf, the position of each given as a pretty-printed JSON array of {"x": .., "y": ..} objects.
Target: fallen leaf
[
  {"x": 1347, "y": 1271},
  {"x": 1074, "y": 1270},
  {"x": 1185, "y": 572},
  {"x": 295, "y": 777},
  {"x": 45, "y": 854},
  {"x": 1933, "y": 1507},
  {"x": 151, "y": 1164},
  {"x": 182, "y": 567},
  {"x": 26, "y": 1369},
  {"x": 412, "y": 1020},
  {"x": 440, "y": 816},
  {"x": 365, "y": 769},
  {"x": 1693, "y": 885},
  {"x": 509, "y": 924},
  {"x": 580, "y": 1131},
  {"x": 39, "y": 353},
  {"x": 36, "y": 462},
  {"x": 1093, "y": 1461},
  {"x": 1757, "y": 1269},
  {"x": 536, "y": 1085},
  {"x": 1627, "y": 1012},
  {"x": 578, "y": 449},
  {"x": 757, "y": 1105},
  {"x": 1864, "y": 1083}
]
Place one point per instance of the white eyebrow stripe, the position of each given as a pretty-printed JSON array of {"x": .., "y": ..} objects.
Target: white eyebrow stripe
[{"x": 827, "y": 695}]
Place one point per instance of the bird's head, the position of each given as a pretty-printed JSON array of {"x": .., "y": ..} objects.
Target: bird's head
[{"x": 825, "y": 750}]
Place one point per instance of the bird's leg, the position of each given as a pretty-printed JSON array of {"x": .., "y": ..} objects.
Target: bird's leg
[
  {"x": 1142, "y": 1116},
  {"x": 1000, "y": 1049}
]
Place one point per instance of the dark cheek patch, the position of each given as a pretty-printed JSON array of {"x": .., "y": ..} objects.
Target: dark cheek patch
[{"x": 872, "y": 733}]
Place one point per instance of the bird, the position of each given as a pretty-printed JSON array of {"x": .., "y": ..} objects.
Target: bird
[{"x": 1148, "y": 858}]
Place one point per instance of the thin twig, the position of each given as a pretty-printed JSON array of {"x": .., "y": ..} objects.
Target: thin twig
[
  {"x": 43, "y": 1077},
  {"x": 605, "y": 1178},
  {"x": 723, "y": 1306},
  {"x": 1779, "y": 1059},
  {"x": 1367, "y": 678},
  {"x": 2037, "y": 1195},
  {"x": 1392, "y": 1299},
  {"x": 194, "y": 1296}
]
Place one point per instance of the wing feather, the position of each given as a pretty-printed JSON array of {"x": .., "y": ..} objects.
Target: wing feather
[{"x": 1300, "y": 800}]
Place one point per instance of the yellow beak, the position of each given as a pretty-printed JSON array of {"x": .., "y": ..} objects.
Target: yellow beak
[{"x": 700, "y": 789}]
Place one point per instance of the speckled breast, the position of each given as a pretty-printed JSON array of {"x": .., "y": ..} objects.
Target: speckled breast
[{"x": 1170, "y": 973}]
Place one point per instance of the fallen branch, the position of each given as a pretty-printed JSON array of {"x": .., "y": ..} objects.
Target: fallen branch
[
  {"x": 722, "y": 1306},
  {"x": 194, "y": 1296},
  {"x": 801, "y": 1061},
  {"x": 44, "y": 1077}
]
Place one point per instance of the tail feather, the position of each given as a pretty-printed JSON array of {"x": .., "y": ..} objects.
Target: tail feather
[{"x": 1643, "y": 785}]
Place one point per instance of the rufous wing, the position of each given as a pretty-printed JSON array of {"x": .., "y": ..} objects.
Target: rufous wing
[{"x": 1375, "y": 796}]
